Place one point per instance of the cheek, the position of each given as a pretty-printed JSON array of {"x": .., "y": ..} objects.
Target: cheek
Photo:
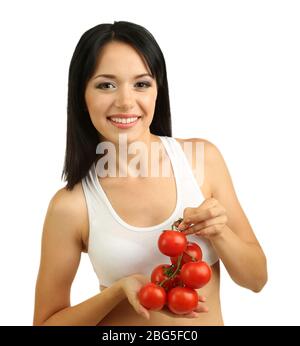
[
  {"x": 97, "y": 111},
  {"x": 148, "y": 102},
  {"x": 99, "y": 104}
]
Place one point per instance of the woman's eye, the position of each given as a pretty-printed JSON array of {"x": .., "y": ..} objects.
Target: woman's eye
[
  {"x": 145, "y": 83},
  {"x": 100, "y": 86},
  {"x": 104, "y": 85}
]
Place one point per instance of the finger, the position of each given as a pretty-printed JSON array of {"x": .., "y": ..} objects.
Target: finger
[
  {"x": 210, "y": 231},
  {"x": 202, "y": 299},
  {"x": 201, "y": 308},
  {"x": 177, "y": 222},
  {"x": 188, "y": 212},
  {"x": 201, "y": 216},
  {"x": 139, "y": 308},
  {"x": 210, "y": 202},
  {"x": 144, "y": 312},
  {"x": 192, "y": 314},
  {"x": 219, "y": 220}
]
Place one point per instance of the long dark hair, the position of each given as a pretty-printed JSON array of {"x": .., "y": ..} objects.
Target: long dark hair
[{"x": 82, "y": 136}]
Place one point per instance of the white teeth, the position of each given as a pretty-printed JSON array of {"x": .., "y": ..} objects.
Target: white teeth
[{"x": 124, "y": 121}]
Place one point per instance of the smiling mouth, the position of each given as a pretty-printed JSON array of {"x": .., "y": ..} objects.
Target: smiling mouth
[
  {"x": 120, "y": 117},
  {"x": 124, "y": 123}
]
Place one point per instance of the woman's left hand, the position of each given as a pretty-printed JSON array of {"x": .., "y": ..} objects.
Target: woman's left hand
[{"x": 207, "y": 220}]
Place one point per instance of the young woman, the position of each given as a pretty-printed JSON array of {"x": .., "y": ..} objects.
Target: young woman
[{"x": 118, "y": 94}]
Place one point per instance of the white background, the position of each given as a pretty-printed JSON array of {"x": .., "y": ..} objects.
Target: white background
[{"x": 234, "y": 78}]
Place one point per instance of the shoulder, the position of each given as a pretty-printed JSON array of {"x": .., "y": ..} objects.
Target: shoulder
[
  {"x": 214, "y": 163},
  {"x": 67, "y": 201},
  {"x": 209, "y": 146},
  {"x": 68, "y": 207},
  {"x": 210, "y": 150}
]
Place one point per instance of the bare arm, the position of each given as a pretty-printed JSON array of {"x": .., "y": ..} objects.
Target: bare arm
[
  {"x": 222, "y": 220},
  {"x": 244, "y": 261},
  {"x": 60, "y": 258},
  {"x": 91, "y": 311},
  {"x": 237, "y": 245}
]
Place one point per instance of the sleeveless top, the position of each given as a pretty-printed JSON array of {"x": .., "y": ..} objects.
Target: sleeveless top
[{"x": 117, "y": 249}]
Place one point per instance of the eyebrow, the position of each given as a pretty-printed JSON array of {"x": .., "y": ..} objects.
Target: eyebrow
[{"x": 114, "y": 77}]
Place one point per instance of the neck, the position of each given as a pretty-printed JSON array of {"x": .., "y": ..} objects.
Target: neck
[{"x": 138, "y": 158}]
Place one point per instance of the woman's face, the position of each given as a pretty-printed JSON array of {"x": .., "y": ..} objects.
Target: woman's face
[{"x": 122, "y": 93}]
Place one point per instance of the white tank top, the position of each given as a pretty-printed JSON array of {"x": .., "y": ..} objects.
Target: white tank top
[{"x": 117, "y": 249}]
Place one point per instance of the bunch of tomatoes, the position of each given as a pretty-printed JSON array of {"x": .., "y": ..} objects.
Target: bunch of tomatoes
[{"x": 174, "y": 285}]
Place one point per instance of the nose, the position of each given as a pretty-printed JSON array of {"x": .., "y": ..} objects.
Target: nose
[{"x": 124, "y": 98}]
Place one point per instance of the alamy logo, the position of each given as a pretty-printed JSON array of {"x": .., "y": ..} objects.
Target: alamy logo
[{"x": 148, "y": 162}]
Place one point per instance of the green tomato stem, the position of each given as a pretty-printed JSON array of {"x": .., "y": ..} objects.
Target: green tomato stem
[
  {"x": 175, "y": 271},
  {"x": 174, "y": 228}
]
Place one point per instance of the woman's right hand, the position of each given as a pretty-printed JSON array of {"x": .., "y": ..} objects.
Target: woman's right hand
[{"x": 131, "y": 286}]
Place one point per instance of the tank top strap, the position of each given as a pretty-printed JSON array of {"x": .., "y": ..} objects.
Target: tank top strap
[{"x": 183, "y": 161}]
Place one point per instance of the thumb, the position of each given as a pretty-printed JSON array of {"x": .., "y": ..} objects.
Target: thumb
[
  {"x": 143, "y": 311},
  {"x": 180, "y": 224},
  {"x": 183, "y": 225},
  {"x": 138, "y": 307}
]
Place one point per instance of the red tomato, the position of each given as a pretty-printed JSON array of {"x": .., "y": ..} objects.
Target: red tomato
[
  {"x": 182, "y": 300},
  {"x": 159, "y": 274},
  {"x": 193, "y": 253},
  {"x": 152, "y": 296},
  {"x": 176, "y": 281},
  {"x": 195, "y": 274},
  {"x": 172, "y": 243}
]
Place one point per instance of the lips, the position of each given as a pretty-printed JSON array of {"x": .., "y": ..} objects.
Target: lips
[
  {"x": 125, "y": 116},
  {"x": 125, "y": 125}
]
